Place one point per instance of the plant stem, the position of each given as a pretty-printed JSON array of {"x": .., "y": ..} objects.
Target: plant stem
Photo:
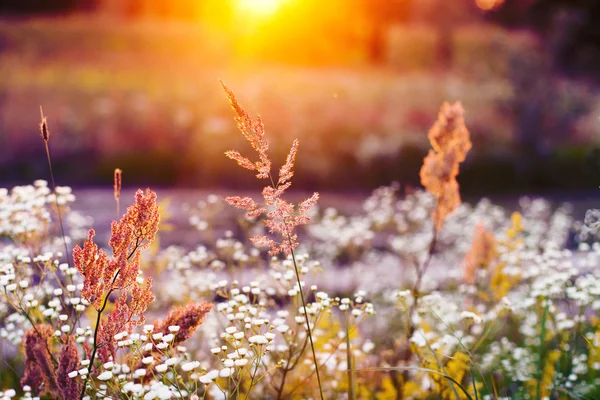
[
  {"x": 312, "y": 345},
  {"x": 351, "y": 391},
  {"x": 92, "y": 358},
  {"x": 416, "y": 292},
  {"x": 281, "y": 386},
  {"x": 253, "y": 377},
  {"x": 95, "y": 348},
  {"x": 62, "y": 228},
  {"x": 40, "y": 336},
  {"x": 95, "y": 341},
  {"x": 289, "y": 365},
  {"x": 540, "y": 372}
]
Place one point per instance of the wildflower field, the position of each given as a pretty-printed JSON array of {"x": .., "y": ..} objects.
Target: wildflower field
[{"x": 416, "y": 295}]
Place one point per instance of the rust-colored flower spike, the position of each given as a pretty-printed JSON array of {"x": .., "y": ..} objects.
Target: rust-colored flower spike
[
  {"x": 449, "y": 131},
  {"x": 117, "y": 185},
  {"x": 102, "y": 276},
  {"x": 107, "y": 348},
  {"x": 93, "y": 265},
  {"x": 68, "y": 361},
  {"x": 482, "y": 253},
  {"x": 187, "y": 318},
  {"x": 135, "y": 231},
  {"x": 139, "y": 225},
  {"x": 44, "y": 131},
  {"x": 281, "y": 217},
  {"x": 39, "y": 371},
  {"x": 450, "y": 140}
]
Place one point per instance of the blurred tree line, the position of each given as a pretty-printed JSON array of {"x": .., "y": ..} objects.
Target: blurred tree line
[
  {"x": 543, "y": 108},
  {"x": 569, "y": 27}
]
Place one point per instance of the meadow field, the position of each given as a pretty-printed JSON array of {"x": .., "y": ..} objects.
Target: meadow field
[
  {"x": 413, "y": 296},
  {"x": 219, "y": 279}
]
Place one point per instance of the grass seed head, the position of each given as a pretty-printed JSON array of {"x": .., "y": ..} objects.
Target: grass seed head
[
  {"x": 117, "y": 185},
  {"x": 45, "y": 132}
]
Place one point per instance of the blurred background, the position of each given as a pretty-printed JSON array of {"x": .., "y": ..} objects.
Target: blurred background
[{"x": 135, "y": 84}]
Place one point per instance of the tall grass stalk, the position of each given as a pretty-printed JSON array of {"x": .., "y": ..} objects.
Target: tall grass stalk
[
  {"x": 540, "y": 371},
  {"x": 407, "y": 355},
  {"x": 117, "y": 189},
  {"x": 323, "y": 363},
  {"x": 45, "y": 132},
  {"x": 301, "y": 290},
  {"x": 350, "y": 369},
  {"x": 473, "y": 383},
  {"x": 310, "y": 337},
  {"x": 442, "y": 367},
  {"x": 427, "y": 370}
]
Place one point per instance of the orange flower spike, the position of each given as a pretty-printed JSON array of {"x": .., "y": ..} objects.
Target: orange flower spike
[
  {"x": 482, "y": 253},
  {"x": 121, "y": 236},
  {"x": 450, "y": 140},
  {"x": 145, "y": 216},
  {"x": 140, "y": 223},
  {"x": 141, "y": 297},
  {"x": 448, "y": 201},
  {"x": 241, "y": 160},
  {"x": 119, "y": 318},
  {"x": 129, "y": 271},
  {"x": 449, "y": 131},
  {"x": 429, "y": 173},
  {"x": 107, "y": 349},
  {"x": 187, "y": 318},
  {"x": 91, "y": 264}
]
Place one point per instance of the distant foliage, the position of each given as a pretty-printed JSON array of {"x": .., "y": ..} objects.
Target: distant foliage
[{"x": 416, "y": 295}]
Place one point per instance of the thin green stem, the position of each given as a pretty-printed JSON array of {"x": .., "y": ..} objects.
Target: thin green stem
[
  {"x": 93, "y": 357},
  {"x": 351, "y": 391},
  {"x": 95, "y": 348},
  {"x": 289, "y": 365},
  {"x": 540, "y": 372},
  {"x": 252, "y": 379},
  {"x": 416, "y": 292},
  {"x": 62, "y": 228},
  {"x": 325, "y": 361},
  {"x": 312, "y": 345},
  {"x": 21, "y": 311},
  {"x": 26, "y": 315}
]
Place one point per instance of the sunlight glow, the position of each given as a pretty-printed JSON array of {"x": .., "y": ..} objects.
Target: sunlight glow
[
  {"x": 259, "y": 7},
  {"x": 487, "y": 5}
]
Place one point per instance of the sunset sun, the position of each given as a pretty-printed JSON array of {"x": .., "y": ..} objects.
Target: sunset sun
[{"x": 259, "y": 7}]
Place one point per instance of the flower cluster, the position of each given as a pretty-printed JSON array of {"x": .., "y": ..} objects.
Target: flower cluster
[
  {"x": 26, "y": 211},
  {"x": 45, "y": 308},
  {"x": 473, "y": 301}
]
